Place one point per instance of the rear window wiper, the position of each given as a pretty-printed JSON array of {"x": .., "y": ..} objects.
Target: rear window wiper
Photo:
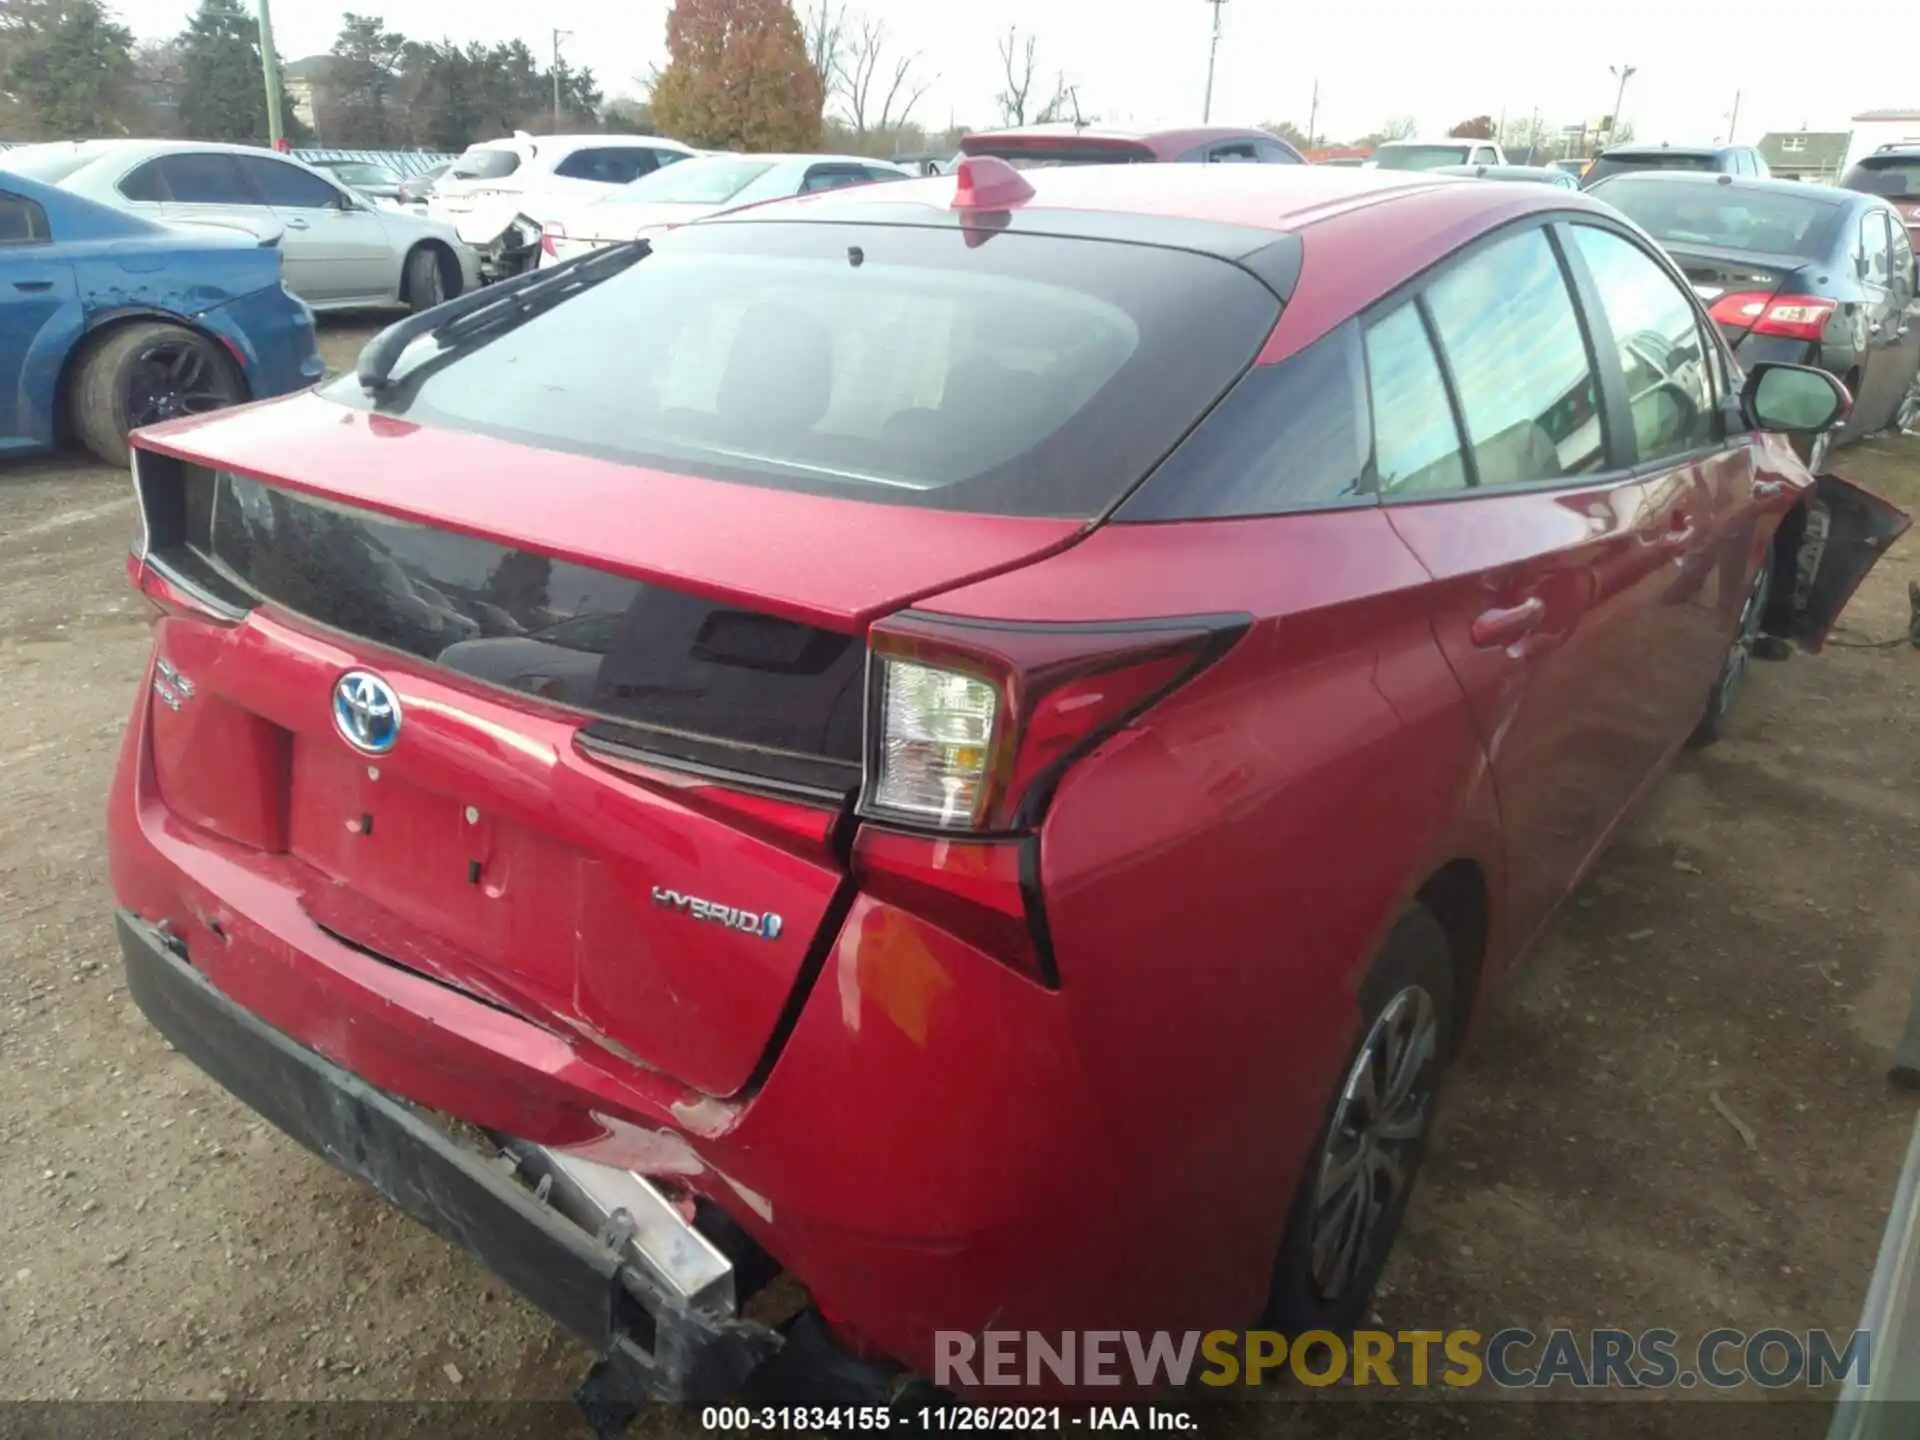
[{"x": 493, "y": 309}]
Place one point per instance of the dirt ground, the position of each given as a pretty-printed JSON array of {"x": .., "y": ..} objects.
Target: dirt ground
[{"x": 1744, "y": 953}]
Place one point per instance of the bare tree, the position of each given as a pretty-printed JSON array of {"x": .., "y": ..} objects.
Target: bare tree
[
  {"x": 825, "y": 31},
  {"x": 866, "y": 77},
  {"x": 1398, "y": 128},
  {"x": 1020, "y": 64}
]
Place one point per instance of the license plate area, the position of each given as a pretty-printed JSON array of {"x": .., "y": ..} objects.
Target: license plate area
[{"x": 415, "y": 872}]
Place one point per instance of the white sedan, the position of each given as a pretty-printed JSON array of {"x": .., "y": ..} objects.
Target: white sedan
[
  {"x": 697, "y": 187},
  {"x": 341, "y": 250}
]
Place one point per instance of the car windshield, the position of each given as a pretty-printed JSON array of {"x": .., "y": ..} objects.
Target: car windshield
[
  {"x": 49, "y": 164},
  {"x": 1725, "y": 217},
  {"x": 1886, "y": 175},
  {"x": 485, "y": 165},
  {"x": 694, "y": 182},
  {"x": 360, "y": 172},
  {"x": 1419, "y": 157},
  {"x": 910, "y": 365},
  {"x": 1649, "y": 160}
]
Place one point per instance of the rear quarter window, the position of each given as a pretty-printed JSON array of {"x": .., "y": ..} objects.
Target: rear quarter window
[
  {"x": 485, "y": 165},
  {"x": 1026, "y": 375}
]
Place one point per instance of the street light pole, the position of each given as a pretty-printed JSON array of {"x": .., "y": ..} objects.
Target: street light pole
[
  {"x": 558, "y": 36},
  {"x": 1625, "y": 72},
  {"x": 1213, "y": 50},
  {"x": 270, "y": 68}
]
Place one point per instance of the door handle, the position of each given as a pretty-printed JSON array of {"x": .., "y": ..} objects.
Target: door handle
[
  {"x": 296, "y": 224},
  {"x": 1769, "y": 489},
  {"x": 1494, "y": 629},
  {"x": 33, "y": 287},
  {"x": 1679, "y": 532}
]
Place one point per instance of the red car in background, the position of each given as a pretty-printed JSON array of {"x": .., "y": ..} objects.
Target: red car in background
[
  {"x": 1893, "y": 173},
  {"x": 987, "y": 762},
  {"x": 1071, "y": 144}
]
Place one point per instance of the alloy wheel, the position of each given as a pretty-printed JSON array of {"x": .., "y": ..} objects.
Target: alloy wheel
[
  {"x": 1374, "y": 1140},
  {"x": 176, "y": 377}
]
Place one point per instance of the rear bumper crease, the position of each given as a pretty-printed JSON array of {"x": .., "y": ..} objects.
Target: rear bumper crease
[{"x": 607, "y": 1293}]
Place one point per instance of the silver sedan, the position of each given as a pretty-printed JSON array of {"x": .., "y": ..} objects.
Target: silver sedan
[{"x": 341, "y": 250}]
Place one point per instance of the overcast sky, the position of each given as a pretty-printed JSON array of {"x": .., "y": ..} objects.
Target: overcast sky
[{"x": 1146, "y": 62}]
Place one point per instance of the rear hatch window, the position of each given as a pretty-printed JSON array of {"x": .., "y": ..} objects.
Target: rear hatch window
[
  {"x": 1650, "y": 160},
  {"x": 1003, "y": 373},
  {"x": 1685, "y": 214},
  {"x": 1895, "y": 176},
  {"x": 485, "y": 165},
  {"x": 1419, "y": 157},
  {"x": 1041, "y": 151}
]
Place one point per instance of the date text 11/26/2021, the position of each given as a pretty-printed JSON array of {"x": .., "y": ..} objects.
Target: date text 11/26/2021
[{"x": 979, "y": 1419}]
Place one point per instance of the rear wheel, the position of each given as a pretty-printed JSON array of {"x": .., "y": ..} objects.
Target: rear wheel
[
  {"x": 426, "y": 281},
  {"x": 1354, "y": 1189},
  {"x": 1733, "y": 669},
  {"x": 142, "y": 374}
]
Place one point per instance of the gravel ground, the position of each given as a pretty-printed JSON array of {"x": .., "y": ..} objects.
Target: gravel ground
[{"x": 1738, "y": 966}]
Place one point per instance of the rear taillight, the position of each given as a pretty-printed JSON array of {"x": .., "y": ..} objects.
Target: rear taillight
[
  {"x": 970, "y": 727},
  {"x": 1797, "y": 317},
  {"x": 551, "y": 233}
]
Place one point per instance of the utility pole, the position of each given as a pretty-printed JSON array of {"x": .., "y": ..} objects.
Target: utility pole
[
  {"x": 1626, "y": 73},
  {"x": 1313, "y": 113},
  {"x": 270, "y": 68},
  {"x": 1213, "y": 50},
  {"x": 558, "y": 36},
  {"x": 1733, "y": 120}
]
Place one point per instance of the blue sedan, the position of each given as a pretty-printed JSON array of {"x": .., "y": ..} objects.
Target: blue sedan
[{"x": 109, "y": 322}]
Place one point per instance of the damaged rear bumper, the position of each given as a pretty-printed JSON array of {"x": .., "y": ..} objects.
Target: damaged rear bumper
[{"x": 643, "y": 1287}]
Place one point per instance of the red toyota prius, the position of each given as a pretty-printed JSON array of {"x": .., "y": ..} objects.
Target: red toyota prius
[{"x": 977, "y": 741}]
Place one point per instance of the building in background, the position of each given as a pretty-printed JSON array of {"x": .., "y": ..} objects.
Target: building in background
[
  {"x": 1818, "y": 155},
  {"x": 1874, "y": 128},
  {"x": 301, "y": 82}
]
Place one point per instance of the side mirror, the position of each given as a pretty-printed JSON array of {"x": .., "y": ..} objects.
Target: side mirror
[{"x": 1793, "y": 399}]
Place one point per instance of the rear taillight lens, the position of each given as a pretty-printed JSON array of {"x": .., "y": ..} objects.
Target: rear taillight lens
[
  {"x": 1796, "y": 317},
  {"x": 551, "y": 233},
  {"x": 970, "y": 727}
]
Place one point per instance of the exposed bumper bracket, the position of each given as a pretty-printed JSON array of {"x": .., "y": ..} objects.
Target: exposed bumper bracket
[{"x": 642, "y": 1287}]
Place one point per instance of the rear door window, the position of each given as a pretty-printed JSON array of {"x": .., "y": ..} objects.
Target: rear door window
[
  {"x": 1416, "y": 444},
  {"x": 204, "y": 178},
  {"x": 1505, "y": 321},
  {"x": 914, "y": 365},
  {"x": 609, "y": 164},
  {"x": 22, "y": 222},
  {"x": 143, "y": 185},
  {"x": 1234, "y": 152}
]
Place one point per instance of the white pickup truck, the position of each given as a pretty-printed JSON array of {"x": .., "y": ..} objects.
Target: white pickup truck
[{"x": 1432, "y": 154}]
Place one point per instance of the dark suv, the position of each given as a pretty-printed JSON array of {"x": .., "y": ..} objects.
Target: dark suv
[
  {"x": 1893, "y": 173},
  {"x": 1741, "y": 160}
]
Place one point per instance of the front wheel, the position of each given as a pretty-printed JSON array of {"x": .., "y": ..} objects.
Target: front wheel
[
  {"x": 1353, "y": 1192},
  {"x": 1733, "y": 668},
  {"x": 142, "y": 374}
]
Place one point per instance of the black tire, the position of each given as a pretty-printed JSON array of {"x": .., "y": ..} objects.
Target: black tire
[
  {"x": 1733, "y": 669},
  {"x": 425, "y": 283},
  {"x": 143, "y": 373},
  {"x": 1415, "y": 959}
]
